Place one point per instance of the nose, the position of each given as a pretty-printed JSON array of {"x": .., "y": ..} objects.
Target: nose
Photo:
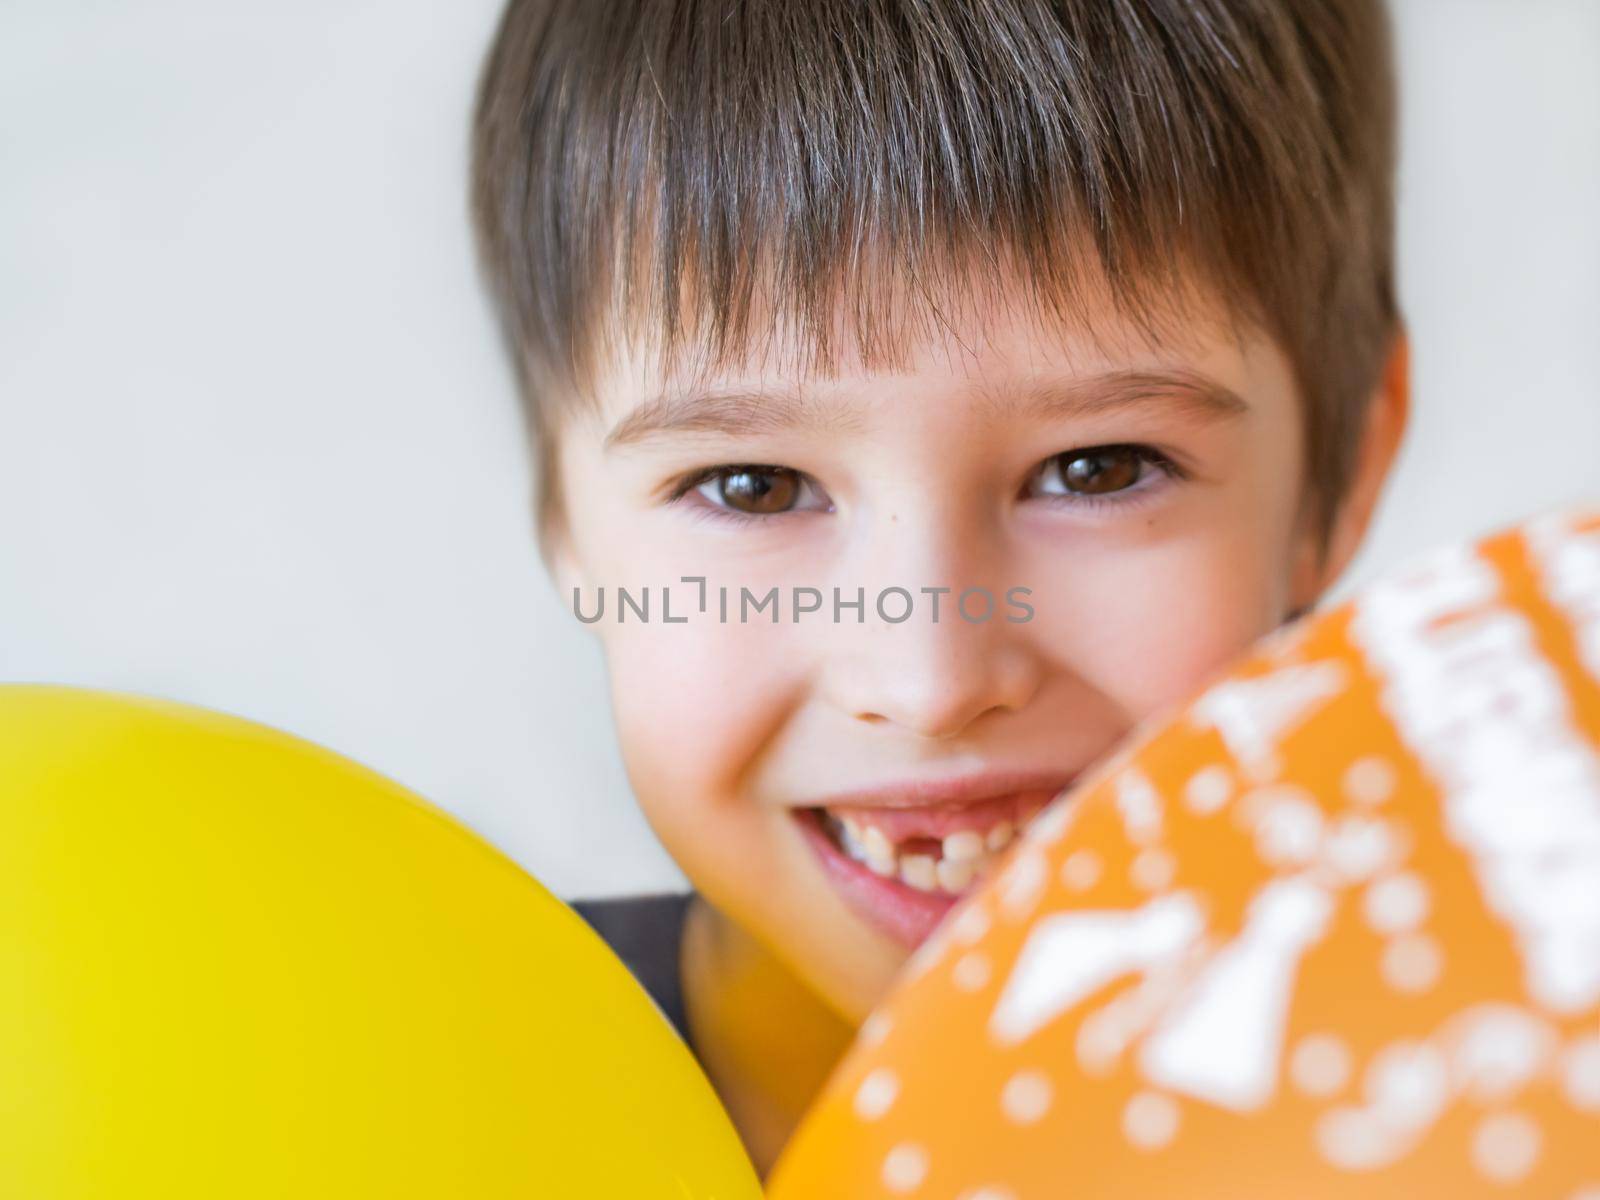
[{"x": 935, "y": 679}]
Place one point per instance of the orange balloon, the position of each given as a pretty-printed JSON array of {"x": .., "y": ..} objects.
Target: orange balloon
[{"x": 1332, "y": 929}]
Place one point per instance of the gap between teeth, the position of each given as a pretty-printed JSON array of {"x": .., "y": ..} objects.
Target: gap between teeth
[{"x": 964, "y": 856}]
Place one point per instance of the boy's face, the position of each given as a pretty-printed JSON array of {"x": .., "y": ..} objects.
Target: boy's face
[{"x": 972, "y": 468}]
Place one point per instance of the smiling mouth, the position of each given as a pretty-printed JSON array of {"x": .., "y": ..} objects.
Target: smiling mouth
[{"x": 938, "y": 852}]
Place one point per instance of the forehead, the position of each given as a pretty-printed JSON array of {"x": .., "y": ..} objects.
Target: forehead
[{"x": 994, "y": 348}]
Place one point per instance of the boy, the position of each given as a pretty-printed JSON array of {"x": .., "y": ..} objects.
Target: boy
[{"x": 827, "y": 311}]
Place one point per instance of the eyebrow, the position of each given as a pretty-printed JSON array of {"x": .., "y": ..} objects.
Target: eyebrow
[{"x": 1184, "y": 394}]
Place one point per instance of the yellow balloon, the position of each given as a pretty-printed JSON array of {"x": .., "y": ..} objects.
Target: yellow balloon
[{"x": 233, "y": 963}]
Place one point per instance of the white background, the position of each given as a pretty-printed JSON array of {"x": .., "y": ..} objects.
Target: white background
[{"x": 258, "y": 450}]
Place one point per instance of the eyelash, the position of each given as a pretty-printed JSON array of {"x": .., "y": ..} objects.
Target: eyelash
[
  {"x": 711, "y": 512},
  {"x": 1130, "y": 496},
  {"x": 1127, "y": 497}
]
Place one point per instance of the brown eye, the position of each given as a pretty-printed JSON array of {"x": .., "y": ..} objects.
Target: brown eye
[
  {"x": 1100, "y": 470},
  {"x": 758, "y": 490}
]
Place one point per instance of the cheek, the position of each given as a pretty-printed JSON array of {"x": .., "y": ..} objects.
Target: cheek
[
  {"x": 1147, "y": 627},
  {"x": 694, "y": 704}
]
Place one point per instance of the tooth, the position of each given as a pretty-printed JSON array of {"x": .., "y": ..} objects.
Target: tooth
[
  {"x": 876, "y": 850},
  {"x": 954, "y": 876},
  {"x": 852, "y": 826},
  {"x": 883, "y": 866},
  {"x": 876, "y": 843},
  {"x": 999, "y": 836},
  {"x": 963, "y": 846},
  {"x": 917, "y": 870}
]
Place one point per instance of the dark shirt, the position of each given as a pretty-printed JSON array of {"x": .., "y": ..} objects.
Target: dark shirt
[{"x": 646, "y": 932}]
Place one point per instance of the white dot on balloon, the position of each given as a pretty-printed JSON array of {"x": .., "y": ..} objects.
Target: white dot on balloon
[
  {"x": 1140, "y": 806},
  {"x": 1320, "y": 1065},
  {"x": 1026, "y": 1096},
  {"x": 971, "y": 971},
  {"x": 1580, "y": 1075},
  {"x": 873, "y": 1030},
  {"x": 1080, "y": 871},
  {"x": 970, "y": 924},
  {"x": 1412, "y": 963},
  {"x": 1208, "y": 790},
  {"x": 1586, "y": 1193},
  {"x": 1369, "y": 781},
  {"x": 1397, "y": 903},
  {"x": 1288, "y": 824},
  {"x": 1051, "y": 824},
  {"x": 1023, "y": 880},
  {"x": 988, "y": 1191},
  {"x": 876, "y": 1093},
  {"x": 1153, "y": 870},
  {"x": 1150, "y": 1120},
  {"x": 1407, "y": 1084},
  {"x": 926, "y": 956},
  {"x": 1359, "y": 847},
  {"x": 1506, "y": 1147},
  {"x": 905, "y": 1167},
  {"x": 1099, "y": 1042},
  {"x": 1354, "y": 1139}
]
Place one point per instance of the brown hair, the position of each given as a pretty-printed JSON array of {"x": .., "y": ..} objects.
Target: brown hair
[{"x": 705, "y": 170}]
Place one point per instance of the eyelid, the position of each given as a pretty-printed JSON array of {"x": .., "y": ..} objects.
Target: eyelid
[
  {"x": 1165, "y": 464},
  {"x": 710, "y": 510}
]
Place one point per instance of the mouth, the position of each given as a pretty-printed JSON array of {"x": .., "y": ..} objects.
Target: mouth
[{"x": 903, "y": 868}]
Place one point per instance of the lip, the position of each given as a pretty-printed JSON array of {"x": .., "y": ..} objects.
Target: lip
[
  {"x": 908, "y": 914},
  {"x": 949, "y": 792},
  {"x": 897, "y": 909}
]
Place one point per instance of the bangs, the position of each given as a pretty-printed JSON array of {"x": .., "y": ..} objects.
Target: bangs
[{"x": 704, "y": 176}]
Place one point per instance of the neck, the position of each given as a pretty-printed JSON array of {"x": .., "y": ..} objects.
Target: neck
[{"x": 767, "y": 1041}]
